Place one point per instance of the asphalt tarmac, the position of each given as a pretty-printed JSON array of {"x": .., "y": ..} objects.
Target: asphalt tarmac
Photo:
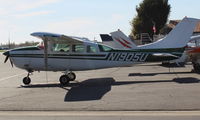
[
  {"x": 100, "y": 115},
  {"x": 141, "y": 87}
]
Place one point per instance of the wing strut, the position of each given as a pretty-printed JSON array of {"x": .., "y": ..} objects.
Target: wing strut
[{"x": 46, "y": 56}]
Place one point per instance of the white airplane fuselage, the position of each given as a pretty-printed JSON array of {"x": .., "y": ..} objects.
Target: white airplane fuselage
[
  {"x": 32, "y": 58},
  {"x": 64, "y": 61}
]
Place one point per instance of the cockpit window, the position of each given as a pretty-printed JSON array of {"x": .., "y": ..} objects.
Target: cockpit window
[
  {"x": 61, "y": 47},
  {"x": 78, "y": 48},
  {"x": 104, "y": 48},
  {"x": 91, "y": 49}
]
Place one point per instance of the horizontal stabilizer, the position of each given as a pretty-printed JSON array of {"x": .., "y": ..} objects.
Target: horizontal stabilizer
[{"x": 165, "y": 55}]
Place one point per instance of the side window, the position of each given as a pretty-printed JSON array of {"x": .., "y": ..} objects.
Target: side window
[
  {"x": 104, "y": 48},
  {"x": 91, "y": 49},
  {"x": 60, "y": 47},
  {"x": 78, "y": 48}
]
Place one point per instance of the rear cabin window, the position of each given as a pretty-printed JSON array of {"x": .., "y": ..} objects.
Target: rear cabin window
[
  {"x": 91, "y": 49},
  {"x": 61, "y": 47},
  {"x": 104, "y": 48},
  {"x": 78, "y": 48}
]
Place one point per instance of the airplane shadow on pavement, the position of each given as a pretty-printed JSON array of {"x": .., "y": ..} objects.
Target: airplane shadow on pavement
[
  {"x": 91, "y": 89},
  {"x": 96, "y": 88},
  {"x": 154, "y": 74}
]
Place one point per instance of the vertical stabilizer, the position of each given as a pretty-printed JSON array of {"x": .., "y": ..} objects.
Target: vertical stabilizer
[
  {"x": 107, "y": 40},
  {"x": 122, "y": 40},
  {"x": 177, "y": 38}
]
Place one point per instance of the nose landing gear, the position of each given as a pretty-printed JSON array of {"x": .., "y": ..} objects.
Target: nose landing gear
[{"x": 27, "y": 79}]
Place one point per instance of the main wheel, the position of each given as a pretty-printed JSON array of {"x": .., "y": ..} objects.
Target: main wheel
[
  {"x": 196, "y": 67},
  {"x": 72, "y": 76},
  {"x": 26, "y": 80},
  {"x": 64, "y": 80}
]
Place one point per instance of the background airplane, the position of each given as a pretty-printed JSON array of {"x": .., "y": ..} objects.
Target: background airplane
[{"x": 194, "y": 53}]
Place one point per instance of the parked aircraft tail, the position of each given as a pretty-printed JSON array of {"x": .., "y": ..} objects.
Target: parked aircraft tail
[
  {"x": 122, "y": 39},
  {"x": 118, "y": 40},
  {"x": 177, "y": 38}
]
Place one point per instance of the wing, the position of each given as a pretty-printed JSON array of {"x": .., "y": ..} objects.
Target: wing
[{"x": 57, "y": 37}]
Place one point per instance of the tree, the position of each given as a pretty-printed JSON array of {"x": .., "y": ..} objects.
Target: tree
[{"x": 150, "y": 14}]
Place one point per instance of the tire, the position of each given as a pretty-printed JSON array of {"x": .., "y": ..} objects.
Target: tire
[
  {"x": 26, "y": 80},
  {"x": 64, "y": 80},
  {"x": 72, "y": 76},
  {"x": 196, "y": 67}
]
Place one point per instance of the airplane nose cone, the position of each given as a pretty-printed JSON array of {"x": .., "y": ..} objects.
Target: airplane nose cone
[{"x": 6, "y": 53}]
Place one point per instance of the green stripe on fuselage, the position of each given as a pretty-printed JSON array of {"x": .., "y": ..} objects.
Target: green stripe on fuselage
[
  {"x": 64, "y": 56},
  {"x": 164, "y": 50},
  {"x": 26, "y": 48},
  {"x": 137, "y": 55}
]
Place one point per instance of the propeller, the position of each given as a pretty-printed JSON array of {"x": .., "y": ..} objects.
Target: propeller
[
  {"x": 6, "y": 59},
  {"x": 11, "y": 62},
  {"x": 7, "y": 54}
]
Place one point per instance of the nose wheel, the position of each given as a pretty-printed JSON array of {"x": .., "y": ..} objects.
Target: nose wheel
[
  {"x": 27, "y": 80},
  {"x": 65, "y": 79}
]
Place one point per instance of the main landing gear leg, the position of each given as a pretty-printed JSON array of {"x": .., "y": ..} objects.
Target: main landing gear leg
[
  {"x": 27, "y": 79},
  {"x": 67, "y": 77}
]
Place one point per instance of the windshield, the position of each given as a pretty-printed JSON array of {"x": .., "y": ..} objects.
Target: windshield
[{"x": 61, "y": 47}]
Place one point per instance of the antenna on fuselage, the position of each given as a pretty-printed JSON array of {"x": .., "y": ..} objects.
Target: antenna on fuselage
[
  {"x": 95, "y": 40},
  {"x": 9, "y": 45}
]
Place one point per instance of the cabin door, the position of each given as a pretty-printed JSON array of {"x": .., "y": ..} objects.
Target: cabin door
[{"x": 58, "y": 58}]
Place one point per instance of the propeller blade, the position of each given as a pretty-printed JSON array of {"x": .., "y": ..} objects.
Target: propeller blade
[
  {"x": 6, "y": 59},
  {"x": 7, "y": 54},
  {"x": 11, "y": 62}
]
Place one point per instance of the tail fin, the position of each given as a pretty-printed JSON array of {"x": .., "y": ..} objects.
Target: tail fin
[
  {"x": 118, "y": 40},
  {"x": 122, "y": 40},
  {"x": 107, "y": 39},
  {"x": 177, "y": 38}
]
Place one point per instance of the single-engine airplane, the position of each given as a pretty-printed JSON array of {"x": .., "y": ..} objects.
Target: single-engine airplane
[{"x": 64, "y": 53}]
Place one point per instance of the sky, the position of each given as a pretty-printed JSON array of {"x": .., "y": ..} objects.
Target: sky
[{"x": 83, "y": 18}]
